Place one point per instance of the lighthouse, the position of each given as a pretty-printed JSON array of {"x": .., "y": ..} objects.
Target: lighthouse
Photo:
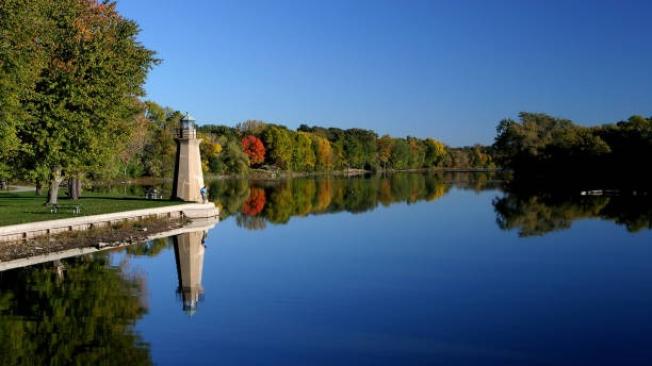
[{"x": 188, "y": 176}]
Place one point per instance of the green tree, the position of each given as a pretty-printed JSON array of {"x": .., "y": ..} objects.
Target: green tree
[
  {"x": 400, "y": 157},
  {"x": 435, "y": 153},
  {"x": 543, "y": 144},
  {"x": 385, "y": 145},
  {"x": 231, "y": 160},
  {"x": 210, "y": 150},
  {"x": 459, "y": 158},
  {"x": 22, "y": 57},
  {"x": 159, "y": 152},
  {"x": 303, "y": 157},
  {"x": 360, "y": 149},
  {"x": 279, "y": 144},
  {"x": 324, "y": 159},
  {"x": 85, "y": 95},
  {"x": 480, "y": 157},
  {"x": 417, "y": 153}
]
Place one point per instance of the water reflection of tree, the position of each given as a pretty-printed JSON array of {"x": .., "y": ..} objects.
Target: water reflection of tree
[
  {"x": 523, "y": 207},
  {"x": 251, "y": 222},
  {"x": 229, "y": 194},
  {"x": 539, "y": 212},
  {"x": 150, "y": 248},
  {"x": 633, "y": 212},
  {"x": 84, "y": 316},
  {"x": 256, "y": 203}
]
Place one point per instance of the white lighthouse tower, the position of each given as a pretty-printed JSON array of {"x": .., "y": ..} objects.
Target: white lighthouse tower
[{"x": 188, "y": 176}]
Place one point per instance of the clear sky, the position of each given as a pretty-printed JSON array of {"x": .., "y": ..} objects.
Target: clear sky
[{"x": 445, "y": 69}]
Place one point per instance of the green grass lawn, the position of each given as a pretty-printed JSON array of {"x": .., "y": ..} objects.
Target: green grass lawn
[{"x": 23, "y": 207}]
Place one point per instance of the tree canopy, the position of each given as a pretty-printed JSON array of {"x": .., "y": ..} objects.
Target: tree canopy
[
  {"x": 73, "y": 106},
  {"x": 544, "y": 145},
  {"x": 254, "y": 148}
]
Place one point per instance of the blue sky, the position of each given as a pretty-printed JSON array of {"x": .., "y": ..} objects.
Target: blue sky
[{"x": 444, "y": 69}]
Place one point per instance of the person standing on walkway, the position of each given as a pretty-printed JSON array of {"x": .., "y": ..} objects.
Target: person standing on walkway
[{"x": 204, "y": 194}]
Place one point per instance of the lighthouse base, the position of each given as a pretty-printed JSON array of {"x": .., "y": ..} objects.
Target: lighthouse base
[{"x": 188, "y": 176}]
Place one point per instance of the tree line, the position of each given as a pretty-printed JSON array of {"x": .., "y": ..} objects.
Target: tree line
[
  {"x": 537, "y": 145},
  {"x": 255, "y": 145},
  {"x": 544, "y": 146}
]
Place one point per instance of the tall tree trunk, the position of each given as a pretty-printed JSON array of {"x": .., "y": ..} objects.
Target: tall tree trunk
[
  {"x": 37, "y": 188},
  {"x": 75, "y": 185},
  {"x": 53, "y": 187},
  {"x": 79, "y": 187}
]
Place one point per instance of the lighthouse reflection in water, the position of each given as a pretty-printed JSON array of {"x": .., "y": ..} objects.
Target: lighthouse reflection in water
[{"x": 189, "y": 254}]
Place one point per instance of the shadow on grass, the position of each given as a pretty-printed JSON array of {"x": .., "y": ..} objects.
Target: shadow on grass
[
  {"x": 48, "y": 214},
  {"x": 124, "y": 199},
  {"x": 14, "y": 196},
  {"x": 32, "y": 197}
]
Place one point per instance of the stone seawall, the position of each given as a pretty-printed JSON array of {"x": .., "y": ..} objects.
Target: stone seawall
[
  {"x": 201, "y": 224},
  {"x": 34, "y": 229}
]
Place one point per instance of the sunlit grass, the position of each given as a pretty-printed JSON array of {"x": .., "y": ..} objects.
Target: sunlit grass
[{"x": 24, "y": 207}]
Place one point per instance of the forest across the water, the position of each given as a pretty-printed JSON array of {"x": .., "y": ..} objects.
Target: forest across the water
[
  {"x": 537, "y": 144},
  {"x": 72, "y": 109}
]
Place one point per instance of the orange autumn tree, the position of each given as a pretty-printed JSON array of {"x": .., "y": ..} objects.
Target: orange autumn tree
[{"x": 254, "y": 148}]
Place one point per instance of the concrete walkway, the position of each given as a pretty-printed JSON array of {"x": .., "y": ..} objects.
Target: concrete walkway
[
  {"x": 195, "y": 225},
  {"x": 33, "y": 229}
]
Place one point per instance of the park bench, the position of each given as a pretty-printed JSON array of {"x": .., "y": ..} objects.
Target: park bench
[{"x": 74, "y": 208}]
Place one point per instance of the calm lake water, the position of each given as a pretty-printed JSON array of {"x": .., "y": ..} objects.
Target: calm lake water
[{"x": 409, "y": 269}]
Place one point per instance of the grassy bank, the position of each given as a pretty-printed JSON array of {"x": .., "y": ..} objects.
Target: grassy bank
[{"x": 24, "y": 207}]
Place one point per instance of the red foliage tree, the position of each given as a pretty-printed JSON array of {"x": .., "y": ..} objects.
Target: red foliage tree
[
  {"x": 255, "y": 203},
  {"x": 254, "y": 148}
]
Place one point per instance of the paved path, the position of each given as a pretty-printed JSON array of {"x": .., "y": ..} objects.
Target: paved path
[{"x": 15, "y": 189}]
